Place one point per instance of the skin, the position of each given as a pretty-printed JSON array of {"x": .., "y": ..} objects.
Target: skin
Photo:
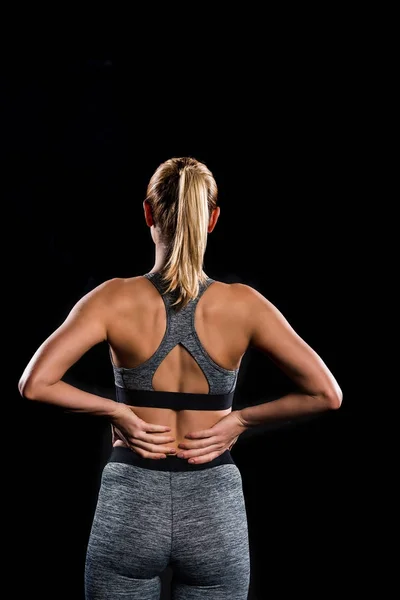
[{"x": 130, "y": 315}]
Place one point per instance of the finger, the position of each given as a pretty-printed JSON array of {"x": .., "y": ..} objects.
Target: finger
[
  {"x": 155, "y": 439},
  {"x": 200, "y": 434},
  {"x": 152, "y": 447},
  {"x": 145, "y": 454},
  {"x": 199, "y": 452},
  {"x": 154, "y": 428},
  {"x": 199, "y": 443},
  {"x": 121, "y": 436},
  {"x": 234, "y": 442},
  {"x": 207, "y": 458}
]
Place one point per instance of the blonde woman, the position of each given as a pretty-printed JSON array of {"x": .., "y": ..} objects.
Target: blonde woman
[{"x": 171, "y": 494}]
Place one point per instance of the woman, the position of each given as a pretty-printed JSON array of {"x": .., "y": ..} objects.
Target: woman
[{"x": 170, "y": 493}]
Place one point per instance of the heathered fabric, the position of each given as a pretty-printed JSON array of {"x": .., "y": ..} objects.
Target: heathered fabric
[
  {"x": 145, "y": 520},
  {"x": 180, "y": 330},
  {"x": 154, "y": 513}
]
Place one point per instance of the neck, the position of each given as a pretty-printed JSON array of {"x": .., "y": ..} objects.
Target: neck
[{"x": 161, "y": 257}]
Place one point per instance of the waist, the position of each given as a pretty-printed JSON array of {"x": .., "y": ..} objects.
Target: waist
[
  {"x": 170, "y": 463},
  {"x": 174, "y": 400}
]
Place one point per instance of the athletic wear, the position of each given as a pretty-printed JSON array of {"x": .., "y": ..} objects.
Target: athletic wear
[
  {"x": 179, "y": 330},
  {"x": 154, "y": 513},
  {"x": 148, "y": 519}
]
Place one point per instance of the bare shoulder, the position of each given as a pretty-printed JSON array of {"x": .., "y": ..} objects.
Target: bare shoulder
[
  {"x": 119, "y": 286},
  {"x": 250, "y": 298},
  {"x": 237, "y": 294},
  {"x": 257, "y": 312},
  {"x": 109, "y": 294},
  {"x": 247, "y": 292},
  {"x": 243, "y": 301}
]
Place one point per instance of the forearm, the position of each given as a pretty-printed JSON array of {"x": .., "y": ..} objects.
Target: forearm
[
  {"x": 288, "y": 407},
  {"x": 72, "y": 399}
]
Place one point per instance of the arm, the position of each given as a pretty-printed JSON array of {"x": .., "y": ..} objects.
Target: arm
[
  {"x": 85, "y": 326},
  {"x": 270, "y": 332}
]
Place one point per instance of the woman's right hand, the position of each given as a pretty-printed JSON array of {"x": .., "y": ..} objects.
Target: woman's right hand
[{"x": 144, "y": 438}]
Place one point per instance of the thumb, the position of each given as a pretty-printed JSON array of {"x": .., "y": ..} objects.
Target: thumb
[{"x": 119, "y": 435}]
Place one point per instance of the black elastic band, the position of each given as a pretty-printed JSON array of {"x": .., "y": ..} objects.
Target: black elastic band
[
  {"x": 174, "y": 400},
  {"x": 120, "y": 454}
]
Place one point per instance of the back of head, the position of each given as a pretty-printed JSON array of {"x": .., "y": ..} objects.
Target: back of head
[{"x": 182, "y": 194}]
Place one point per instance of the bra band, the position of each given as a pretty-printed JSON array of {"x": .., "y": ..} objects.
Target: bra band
[{"x": 175, "y": 400}]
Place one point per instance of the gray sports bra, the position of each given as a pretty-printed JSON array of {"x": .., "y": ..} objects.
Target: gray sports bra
[{"x": 134, "y": 385}]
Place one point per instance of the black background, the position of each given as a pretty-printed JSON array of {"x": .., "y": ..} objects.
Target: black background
[{"x": 82, "y": 138}]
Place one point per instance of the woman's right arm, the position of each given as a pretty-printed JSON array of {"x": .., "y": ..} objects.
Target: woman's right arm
[
  {"x": 271, "y": 333},
  {"x": 84, "y": 327},
  {"x": 41, "y": 381}
]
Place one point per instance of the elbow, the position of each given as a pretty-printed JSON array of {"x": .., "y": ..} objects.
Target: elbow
[
  {"x": 332, "y": 398},
  {"x": 28, "y": 389}
]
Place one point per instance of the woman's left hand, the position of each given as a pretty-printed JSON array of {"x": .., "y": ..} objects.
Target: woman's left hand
[{"x": 209, "y": 443}]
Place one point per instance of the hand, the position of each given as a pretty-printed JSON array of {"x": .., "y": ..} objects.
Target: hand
[
  {"x": 210, "y": 443},
  {"x": 143, "y": 438}
]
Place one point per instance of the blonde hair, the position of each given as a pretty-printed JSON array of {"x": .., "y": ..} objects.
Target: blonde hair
[{"x": 182, "y": 194}]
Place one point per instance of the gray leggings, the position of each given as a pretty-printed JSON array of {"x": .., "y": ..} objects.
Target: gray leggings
[{"x": 150, "y": 516}]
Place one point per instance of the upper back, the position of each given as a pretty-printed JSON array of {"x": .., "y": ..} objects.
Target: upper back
[{"x": 197, "y": 349}]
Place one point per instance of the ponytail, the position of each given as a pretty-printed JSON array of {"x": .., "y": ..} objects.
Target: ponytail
[
  {"x": 184, "y": 268},
  {"x": 182, "y": 194}
]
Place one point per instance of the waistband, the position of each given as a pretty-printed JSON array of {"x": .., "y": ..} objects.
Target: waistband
[
  {"x": 174, "y": 400},
  {"x": 170, "y": 463}
]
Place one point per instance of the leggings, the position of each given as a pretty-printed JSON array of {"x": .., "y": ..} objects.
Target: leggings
[{"x": 154, "y": 513}]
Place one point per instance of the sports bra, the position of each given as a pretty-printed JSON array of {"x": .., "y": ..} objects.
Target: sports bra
[{"x": 134, "y": 385}]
